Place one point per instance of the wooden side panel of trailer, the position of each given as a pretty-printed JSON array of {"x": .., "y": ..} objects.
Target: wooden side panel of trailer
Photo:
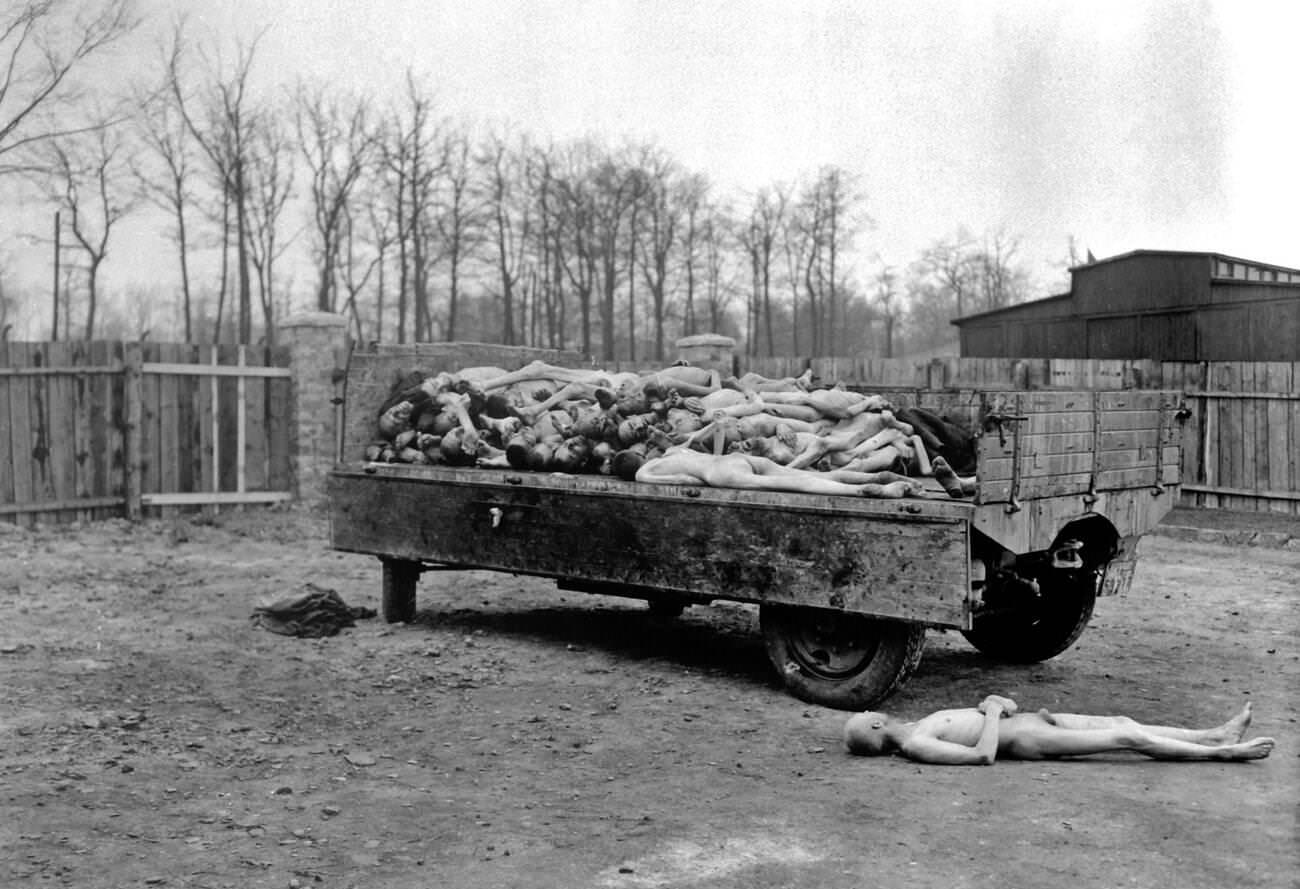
[
  {"x": 1047, "y": 458},
  {"x": 897, "y": 559}
]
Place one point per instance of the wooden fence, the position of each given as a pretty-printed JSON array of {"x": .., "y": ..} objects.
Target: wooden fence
[
  {"x": 1241, "y": 445},
  {"x": 96, "y": 429}
]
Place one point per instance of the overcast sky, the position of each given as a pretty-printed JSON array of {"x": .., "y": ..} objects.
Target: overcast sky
[{"x": 1164, "y": 124}]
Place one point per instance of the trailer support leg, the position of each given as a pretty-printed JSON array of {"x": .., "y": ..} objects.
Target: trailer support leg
[{"x": 398, "y": 600}]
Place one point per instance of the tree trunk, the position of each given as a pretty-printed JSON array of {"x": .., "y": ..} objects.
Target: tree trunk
[
  {"x": 186, "y": 298},
  {"x": 225, "y": 267},
  {"x": 92, "y": 295},
  {"x": 241, "y": 252}
]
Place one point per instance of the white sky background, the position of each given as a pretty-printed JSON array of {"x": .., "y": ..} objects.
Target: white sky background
[{"x": 1162, "y": 124}]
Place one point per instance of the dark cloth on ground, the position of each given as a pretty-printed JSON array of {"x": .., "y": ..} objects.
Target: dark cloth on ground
[{"x": 312, "y": 614}]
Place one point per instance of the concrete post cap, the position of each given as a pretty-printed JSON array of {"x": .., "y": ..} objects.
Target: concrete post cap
[{"x": 706, "y": 339}]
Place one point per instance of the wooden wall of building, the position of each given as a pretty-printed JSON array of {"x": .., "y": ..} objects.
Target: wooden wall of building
[{"x": 1161, "y": 306}]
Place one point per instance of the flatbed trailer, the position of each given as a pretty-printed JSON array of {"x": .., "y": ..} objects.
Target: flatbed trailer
[{"x": 847, "y": 587}]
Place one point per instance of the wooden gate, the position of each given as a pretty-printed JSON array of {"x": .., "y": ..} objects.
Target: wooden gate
[{"x": 97, "y": 429}]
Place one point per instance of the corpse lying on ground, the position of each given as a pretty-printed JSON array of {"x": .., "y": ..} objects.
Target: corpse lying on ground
[{"x": 979, "y": 735}]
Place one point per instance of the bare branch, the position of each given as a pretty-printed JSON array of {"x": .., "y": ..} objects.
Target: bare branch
[{"x": 42, "y": 46}]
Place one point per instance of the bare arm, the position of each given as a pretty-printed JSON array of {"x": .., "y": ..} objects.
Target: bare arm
[{"x": 929, "y": 749}]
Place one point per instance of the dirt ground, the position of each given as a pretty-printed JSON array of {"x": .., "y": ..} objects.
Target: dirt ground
[{"x": 151, "y": 735}]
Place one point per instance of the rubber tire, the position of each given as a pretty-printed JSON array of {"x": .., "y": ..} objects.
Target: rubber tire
[
  {"x": 894, "y": 654},
  {"x": 1030, "y": 638},
  {"x": 398, "y": 594}
]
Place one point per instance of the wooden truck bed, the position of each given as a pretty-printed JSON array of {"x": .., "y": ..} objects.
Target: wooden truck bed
[
  {"x": 906, "y": 559},
  {"x": 1044, "y": 458}
]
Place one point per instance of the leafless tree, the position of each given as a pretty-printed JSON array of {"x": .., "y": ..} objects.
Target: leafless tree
[
  {"x": 694, "y": 196},
  {"x": 360, "y": 262},
  {"x": 88, "y": 173},
  {"x": 758, "y": 237},
  {"x": 578, "y": 233},
  {"x": 805, "y": 239},
  {"x": 460, "y": 222},
  {"x": 168, "y": 182},
  {"x": 381, "y": 218},
  {"x": 639, "y": 180},
  {"x": 550, "y": 306},
  {"x": 887, "y": 305},
  {"x": 337, "y": 141},
  {"x": 718, "y": 288},
  {"x": 1000, "y": 280},
  {"x": 831, "y": 206},
  {"x": 44, "y": 44},
  {"x": 615, "y": 188},
  {"x": 948, "y": 263},
  {"x": 411, "y": 159},
  {"x": 663, "y": 219},
  {"x": 9, "y": 303},
  {"x": 221, "y": 115},
  {"x": 508, "y": 219},
  {"x": 270, "y": 175}
]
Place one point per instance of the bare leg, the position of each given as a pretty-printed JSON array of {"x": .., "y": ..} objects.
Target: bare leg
[
  {"x": 923, "y": 466},
  {"x": 876, "y": 461},
  {"x": 753, "y": 473},
  {"x": 955, "y": 485},
  {"x": 538, "y": 371},
  {"x": 1228, "y": 733},
  {"x": 850, "y": 436},
  {"x": 1052, "y": 741},
  {"x": 854, "y": 477}
]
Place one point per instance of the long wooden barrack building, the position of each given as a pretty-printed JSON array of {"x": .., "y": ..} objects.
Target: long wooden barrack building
[{"x": 1152, "y": 304}]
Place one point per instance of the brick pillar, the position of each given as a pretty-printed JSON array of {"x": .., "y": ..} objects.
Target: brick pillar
[
  {"x": 317, "y": 342},
  {"x": 711, "y": 350}
]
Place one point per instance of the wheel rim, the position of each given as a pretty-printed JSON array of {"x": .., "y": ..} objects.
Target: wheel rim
[{"x": 832, "y": 646}]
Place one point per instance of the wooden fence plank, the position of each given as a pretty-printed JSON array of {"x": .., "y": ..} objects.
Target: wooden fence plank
[
  {"x": 1246, "y": 474},
  {"x": 187, "y": 387},
  {"x": 1173, "y": 375},
  {"x": 1206, "y": 444},
  {"x": 1278, "y": 458},
  {"x": 206, "y": 477},
  {"x": 39, "y": 414},
  {"x": 255, "y": 446},
  {"x": 149, "y": 422},
  {"x": 95, "y": 428},
  {"x": 169, "y": 456},
  {"x": 133, "y": 411},
  {"x": 115, "y": 408},
  {"x": 8, "y": 465},
  {"x": 227, "y": 417},
  {"x": 83, "y": 427},
  {"x": 1262, "y": 434},
  {"x": 1222, "y": 375},
  {"x": 1293, "y": 436}
]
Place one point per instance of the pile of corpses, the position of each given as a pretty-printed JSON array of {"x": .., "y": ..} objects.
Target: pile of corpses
[{"x": 676, "y": 424}]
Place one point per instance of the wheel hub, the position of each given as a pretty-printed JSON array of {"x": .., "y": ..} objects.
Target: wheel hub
[{"x": 832, "y": 646}]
